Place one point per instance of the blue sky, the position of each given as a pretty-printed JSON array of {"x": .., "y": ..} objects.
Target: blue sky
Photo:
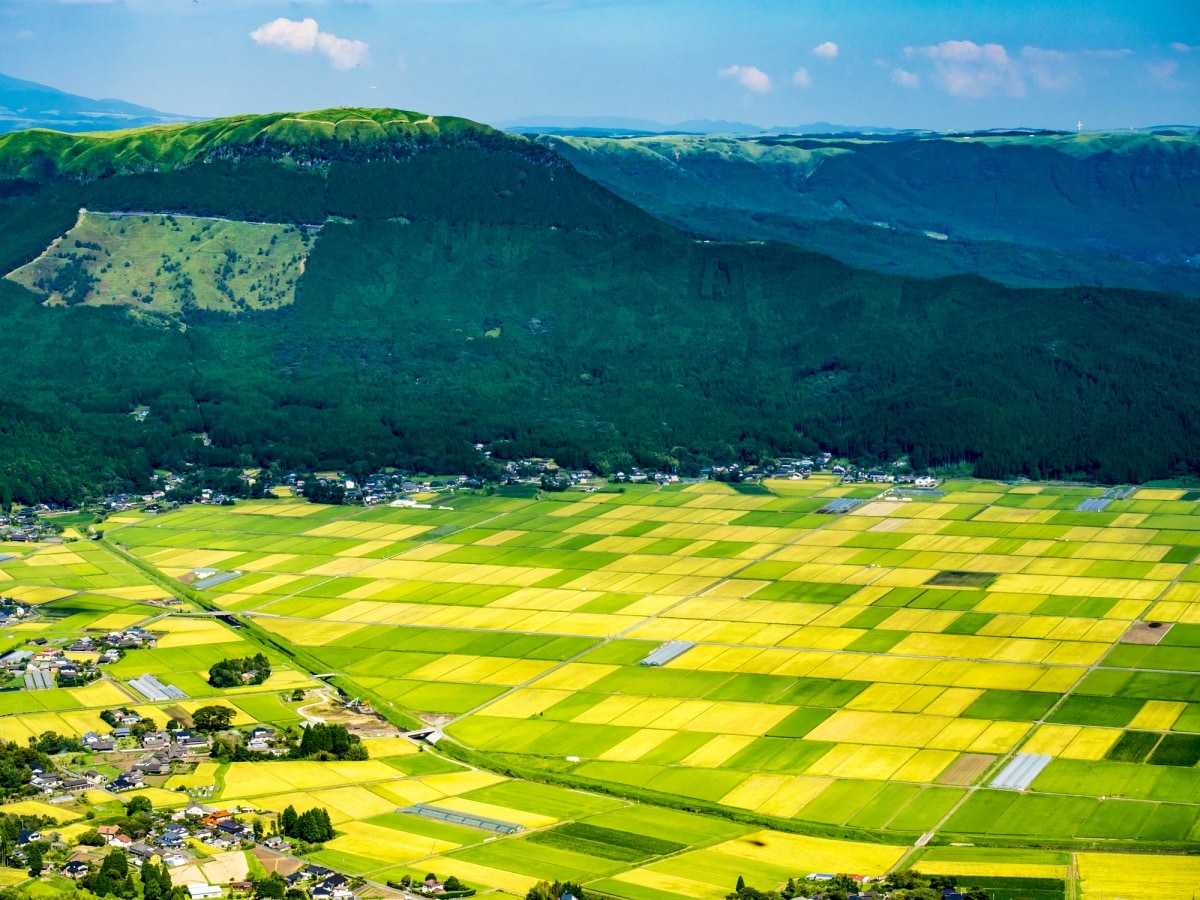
[{"x": 935, "y": 64}]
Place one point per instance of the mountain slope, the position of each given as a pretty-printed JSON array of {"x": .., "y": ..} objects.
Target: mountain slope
[
  {"x": 27, "y": 104},
  {"x": 471, "y": 286},
  {"x": 1045, "y": 209}
]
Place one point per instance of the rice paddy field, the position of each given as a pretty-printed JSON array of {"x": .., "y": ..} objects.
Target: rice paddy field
[
  {"x": 856, "y": 678},
  {"x": 81, "y": 588}
]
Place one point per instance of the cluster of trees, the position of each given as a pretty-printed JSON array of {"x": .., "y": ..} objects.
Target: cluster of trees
[
  {"x": 320, "y": 490},
  {"x": 318, "y": 741},
  {"x": 275, "y": 887},
  {"x": 311, "y": 826},
  {"x": 232, "y": 672},
  {"x": 451, "y": 886},
  {"x": 907, "y": 884},
  {"x": 326, "y": 741},
  {"x": 49, "y": 743},
  {"x": 114, "y": 877},
  {"x": 212, "y": 718},
  {"x": 156, "y": 883},
  {"x": 16, "y": 768},
  {"x": 10, "y": 831},
  {"x": 702, "y": 354},
  {"x": 555, "y": 890}
]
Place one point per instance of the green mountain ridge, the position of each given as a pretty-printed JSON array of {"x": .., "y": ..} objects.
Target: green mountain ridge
[
  {"x": 306, "y": 138},
  {"x": 469, "y": 286},
  {"x": 1108, "y": 208}
]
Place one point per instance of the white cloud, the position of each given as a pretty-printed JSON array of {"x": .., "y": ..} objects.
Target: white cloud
[
  {"x": 343, "y": 53},
  {"x": 305, "y": 36},
  {"x": 1163, "y": 73},
  {"x": 801, "y": 78},
  {"x": 1051, "y": 70},
  {"x": 827, "y": 50},
  {"x": 299, "y": 37},
  {"x": 967, "y": 69},
  {"x": 750, "y": 77},
  {"x": 1181, "y": 47},
  {"x": 906, "y": 79}
]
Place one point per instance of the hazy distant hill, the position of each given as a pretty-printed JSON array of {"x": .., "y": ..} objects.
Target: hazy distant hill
[
  {"x": 469, "y": 285},
  {"x": 623, "y": 125},
  {"x": 1022, "y": 208},
  {"x": 27, "y": 104}
]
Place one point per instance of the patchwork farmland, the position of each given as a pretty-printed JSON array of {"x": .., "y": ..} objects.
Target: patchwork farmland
[{"x": 999, "y": 666}]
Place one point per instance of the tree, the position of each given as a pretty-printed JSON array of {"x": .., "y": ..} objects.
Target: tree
[
  {"x": 287, "y": 820},
  {"x": 112, "y": 877},
  {"x": 905, "y": 879},
  {"x": 273, "y": 886},
  {"x": 212, "y": 718},
  {"x": 322, "y": 741},
  {"x": 51, "y": 742},
  {"x": 313, "y": 826},
  {"x": 92, "y": 838},
  {"x": 34, "y": 856},
  {"x": 553, "y": 890},
  {"x": 140, "y": 804},
  {"x": 115, "y": 864},
  {"x": 156, "y": 881}
]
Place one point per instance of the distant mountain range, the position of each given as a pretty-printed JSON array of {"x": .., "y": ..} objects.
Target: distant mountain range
[
  {"x": 609, "y": 125},
  {"x": 621, "y": 126},
  {"x": 27, "y": 104}
]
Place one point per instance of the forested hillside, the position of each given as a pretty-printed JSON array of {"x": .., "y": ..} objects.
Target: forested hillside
[
  {"x": 1042, "y": 209},
  {"x": 472, "y": 286}
]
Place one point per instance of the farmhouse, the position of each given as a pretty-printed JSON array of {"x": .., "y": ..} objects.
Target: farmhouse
[{"x": 76, "y": 869}]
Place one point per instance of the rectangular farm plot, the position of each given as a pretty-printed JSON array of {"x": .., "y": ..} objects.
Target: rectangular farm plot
[
  {"x": 1136, "y": 877},
  {"x": 888, "y": 729},
  {"x": 385, "y": 844},
  {"x": 812, "y": 853}
]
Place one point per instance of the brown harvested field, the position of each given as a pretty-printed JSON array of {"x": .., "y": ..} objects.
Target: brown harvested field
[
  {"x": 1146, "y": 633},
  {"x": 276, "y": 862},
  {"x": 375, "y": 892},
  {"x": 967, "y": 769},
  {"x": 355, "y": 722}
]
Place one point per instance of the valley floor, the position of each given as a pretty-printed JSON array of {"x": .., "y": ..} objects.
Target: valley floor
[{"x": 992, "y": 681}]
